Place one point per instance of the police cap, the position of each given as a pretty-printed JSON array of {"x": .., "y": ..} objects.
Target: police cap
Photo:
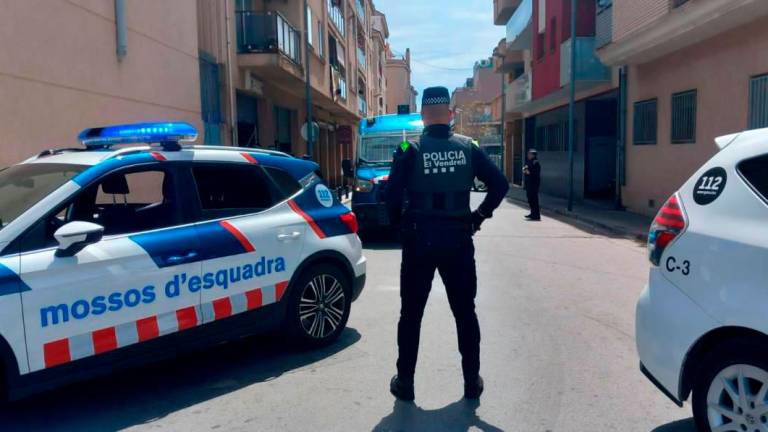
[{"x": 435, "y": 96}]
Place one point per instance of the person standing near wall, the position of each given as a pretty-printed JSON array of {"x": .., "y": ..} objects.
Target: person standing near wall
[{"x": 532, "y": 171}]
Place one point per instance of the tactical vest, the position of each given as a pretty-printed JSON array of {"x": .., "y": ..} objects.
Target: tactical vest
[{"x": 442, "y": 177}]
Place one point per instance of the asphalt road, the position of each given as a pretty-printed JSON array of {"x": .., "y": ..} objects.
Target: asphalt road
[{"x": 556, "y": 304}]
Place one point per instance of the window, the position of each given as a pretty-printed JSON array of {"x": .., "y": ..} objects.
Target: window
[
  {"x": 645, "y": 122},
  {"x": 758, "y": 102},
  {"x": 320, "y": 39},
  {"x": 23, "y": 186},
  {"x": 678, "y": 3},
  {"x": 540, "y": 45},
  {"x": 552, "y": 137},
  {"x": 230, "y": 190},
  {"x": 553, "y": 35},
  {"x": 285, "y": 182},
  {"x": 310, "y": 23},
  {"x": 684, "y": 117},
  {"x": 755, "y": 172},
  {"x": 125, "y": 202}
]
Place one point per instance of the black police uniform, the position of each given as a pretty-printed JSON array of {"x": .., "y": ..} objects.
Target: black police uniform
[
  {"x": 532, "y": 185},
  {"x": 428, "y": 193}
]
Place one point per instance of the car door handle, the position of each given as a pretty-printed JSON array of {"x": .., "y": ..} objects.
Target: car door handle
[
  {"x": 181, "y": 259},
  {"x": 289, "y": 236}
]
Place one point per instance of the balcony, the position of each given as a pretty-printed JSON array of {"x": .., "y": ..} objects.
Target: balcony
[
  {"x": 588, "y": 66},
  {"x": 267, "y": 33},
  {"x": 685, "y": 23},
  {"x": 336, "y": 14},
  {"x": 518, "y": 94},
  {"x": 503, "y": 9},
  {"x": 519, "y": 27}
]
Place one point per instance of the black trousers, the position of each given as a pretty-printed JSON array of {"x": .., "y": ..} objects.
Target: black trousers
[
  {"x": 452, "y": 253},
  {"x": 533, "y": 201}
]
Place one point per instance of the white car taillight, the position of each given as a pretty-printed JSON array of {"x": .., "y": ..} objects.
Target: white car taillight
[{"x": 668, "y": 224}]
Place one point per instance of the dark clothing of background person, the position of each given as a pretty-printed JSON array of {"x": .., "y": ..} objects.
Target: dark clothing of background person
[
  {"x": 532, "y": 170},
  {"x": 443, "y": 243}
]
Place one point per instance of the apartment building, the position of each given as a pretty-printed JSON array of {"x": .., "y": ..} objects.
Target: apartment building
[
  {"x": 695, "y": 70},
  {"x": 473, "y": 104},
  {"x": 69, "y": 65},
  {"x": 380, "y": 33},
  {"x": 260, "y": 48},
  {"x": 537, "y": 59},
  {"x": 401, "y": 95}
]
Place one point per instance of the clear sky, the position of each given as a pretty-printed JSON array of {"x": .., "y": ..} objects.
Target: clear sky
[{"x": 446, "y": 37}]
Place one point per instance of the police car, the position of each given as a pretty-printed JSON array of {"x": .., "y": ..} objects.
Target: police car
[
  {"x": 701, "y": 323},
  {"x": 113, "y": 255}
]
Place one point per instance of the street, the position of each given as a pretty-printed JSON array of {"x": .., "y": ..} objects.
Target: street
[{"x": 556, "y": 305}]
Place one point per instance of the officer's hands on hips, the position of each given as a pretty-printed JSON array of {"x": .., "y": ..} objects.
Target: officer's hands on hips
[{"x": 477, "y": 220}]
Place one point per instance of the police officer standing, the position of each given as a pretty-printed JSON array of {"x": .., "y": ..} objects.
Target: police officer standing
[
  {"x": 428, "y": 193},
  {"x": 532, "y": 171}
]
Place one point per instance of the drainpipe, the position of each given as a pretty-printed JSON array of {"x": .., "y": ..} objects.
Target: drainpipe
[
  {"x": 622, "y": 136},
  {"x": 232, "y": 90},
  {"x": 121, "y": 30},
  {"x": 572, "y": 107},
  {"x": 308, "y": 83}
]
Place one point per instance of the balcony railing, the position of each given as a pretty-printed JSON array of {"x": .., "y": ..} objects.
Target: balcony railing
[
  {"x": 518, "y": 93},
  {"x": 361, "y": 58},
  {"x": 337, "y": 16},
  {"x": 259, "y": 32},
  {"x": 588, "y": 66},
  {"x": 519, "y": 26}
]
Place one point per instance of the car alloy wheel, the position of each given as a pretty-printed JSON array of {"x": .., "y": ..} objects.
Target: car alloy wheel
[
  {"x": 736, "y": 400},
  {"x": 322, "y": 306}
]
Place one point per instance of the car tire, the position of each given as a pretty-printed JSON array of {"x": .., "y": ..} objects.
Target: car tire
[
  {"x": 318, "y": 306},
  {"x": 734, "y": 360}
]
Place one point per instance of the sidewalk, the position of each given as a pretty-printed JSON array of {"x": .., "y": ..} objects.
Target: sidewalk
[{"x": 596, "y": 214}]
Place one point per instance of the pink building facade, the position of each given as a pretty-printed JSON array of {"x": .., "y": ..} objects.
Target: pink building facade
[
  {"x": 60, "y": 71},
  {"x": 695, "y": 70}
]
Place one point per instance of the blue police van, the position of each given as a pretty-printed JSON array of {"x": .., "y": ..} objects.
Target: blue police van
[{"x": 379, "y": 139}]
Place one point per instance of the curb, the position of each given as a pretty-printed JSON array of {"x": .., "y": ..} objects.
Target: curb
[{"x": 587, "y": 220}]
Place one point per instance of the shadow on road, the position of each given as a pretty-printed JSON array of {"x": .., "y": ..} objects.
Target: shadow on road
[
  {"x": 138, "y": 396},
  {"x": 678, "y": 426},
  {"x": 458, "y": 416}
]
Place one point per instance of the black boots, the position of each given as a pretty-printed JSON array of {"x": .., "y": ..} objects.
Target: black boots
[
  {"x": 473, "y": 388},
  {"x": 401, "y": 389}
]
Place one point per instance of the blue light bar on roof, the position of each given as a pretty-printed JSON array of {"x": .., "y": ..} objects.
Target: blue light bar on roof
[{"x": 147, "y": 133}]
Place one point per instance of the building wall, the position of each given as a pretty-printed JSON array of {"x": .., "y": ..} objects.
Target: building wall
[
  {"x": 59, "y": 72},
  {"x": 719, "y": 69},
  {"x": 630, "y": 16}
]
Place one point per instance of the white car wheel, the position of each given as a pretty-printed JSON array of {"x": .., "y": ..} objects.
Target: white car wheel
[{"x": 736, "y": 400}]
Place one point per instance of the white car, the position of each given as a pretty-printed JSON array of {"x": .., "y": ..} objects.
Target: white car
[
  {"x": 702, "y": 321},
  {"x": 112, "y": 256}
]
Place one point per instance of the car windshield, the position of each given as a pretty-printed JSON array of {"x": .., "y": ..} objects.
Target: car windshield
[
  {"x": 379, "y": 149},
  {"x": 22, "y": 186}
]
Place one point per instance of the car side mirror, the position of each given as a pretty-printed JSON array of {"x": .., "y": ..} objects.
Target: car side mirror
[
  {"x": 75, "y": 236},
  {"x": 347, "y": 168}
]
